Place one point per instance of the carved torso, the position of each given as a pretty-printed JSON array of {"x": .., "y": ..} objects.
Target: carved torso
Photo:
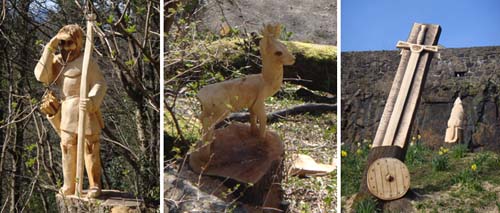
[{"x": 70, "y": 78}]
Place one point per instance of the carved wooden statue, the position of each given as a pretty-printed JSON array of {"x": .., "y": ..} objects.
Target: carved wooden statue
[
  {"x": 386, "y": 176},
  {"x": 455, "y": 123},
  {"x": 64, "y": 69},
  {"x": 218, "y": 100}
]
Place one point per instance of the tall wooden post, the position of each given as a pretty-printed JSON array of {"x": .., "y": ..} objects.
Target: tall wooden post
[
  {"x": 82, "y": 114},
  {"x": 386, "y": 176}
]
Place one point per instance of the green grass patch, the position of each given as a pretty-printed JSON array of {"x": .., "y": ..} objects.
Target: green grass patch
[{"x": 353, "y": 159}]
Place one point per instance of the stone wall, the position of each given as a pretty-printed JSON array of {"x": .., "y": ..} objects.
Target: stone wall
[
  {"x": 313, "y": 27},
  {"x": 471, "y": 73}
]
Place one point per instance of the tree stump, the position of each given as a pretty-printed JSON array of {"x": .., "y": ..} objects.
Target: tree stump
[
  {"x": 253, "y": 166},
  {"x": 110, "y": 201}
]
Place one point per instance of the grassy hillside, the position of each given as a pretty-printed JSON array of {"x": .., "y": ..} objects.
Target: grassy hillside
[{"x": 448, "y": 179}]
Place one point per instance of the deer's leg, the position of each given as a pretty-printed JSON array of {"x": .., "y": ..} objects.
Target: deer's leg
[
  {"x": 205, "y": 126},
  {"x": 262, "y": 118},
  {"x": 253, "y": 121},
  {"x": 204, "y": 147}
]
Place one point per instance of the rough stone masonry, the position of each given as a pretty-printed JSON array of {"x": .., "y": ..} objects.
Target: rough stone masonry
[{"x": 471, "y": 73}]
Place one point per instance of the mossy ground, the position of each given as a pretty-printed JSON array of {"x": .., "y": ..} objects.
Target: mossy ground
[{"x": 470, "y": 182}]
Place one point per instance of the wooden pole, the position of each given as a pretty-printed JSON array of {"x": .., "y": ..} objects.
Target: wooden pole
[{"x": 82, "y": 113}]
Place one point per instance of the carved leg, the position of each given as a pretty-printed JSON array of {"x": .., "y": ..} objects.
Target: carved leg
[
  {"x": 93, "y": 164},
  {"x": 261, "y": 116},
  {"x": 253, "y": 122},
  {"x": 204, "y": 147},
  {"x": 68, "y": 152}
]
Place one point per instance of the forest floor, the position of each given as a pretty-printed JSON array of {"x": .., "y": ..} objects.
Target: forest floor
[
  {"x": 445, "y": 180},
  {"x": 314, "y": 135}
]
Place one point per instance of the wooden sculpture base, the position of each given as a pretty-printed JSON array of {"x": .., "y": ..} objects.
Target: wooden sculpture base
[
  {"x": 388, "y": 179},
  {"x": 109, "y": 201},
  {"x": 239, "y": 155}
]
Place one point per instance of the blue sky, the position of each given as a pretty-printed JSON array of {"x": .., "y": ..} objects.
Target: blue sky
[{"x": 379, "y": 24}]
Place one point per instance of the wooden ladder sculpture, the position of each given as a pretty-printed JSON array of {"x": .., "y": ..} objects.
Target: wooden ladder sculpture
[{"x": 386, "y": 176}]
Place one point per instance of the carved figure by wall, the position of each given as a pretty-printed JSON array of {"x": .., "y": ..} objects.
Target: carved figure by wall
[{"x": 455, "y": 123}]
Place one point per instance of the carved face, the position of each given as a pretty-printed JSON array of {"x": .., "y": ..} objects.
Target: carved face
[
  {"x": 71, "y": 37},
  {"x": 67, "y": 45},
  {"x": 282, "y": 54},
  {"x": 273, "y": 49}
]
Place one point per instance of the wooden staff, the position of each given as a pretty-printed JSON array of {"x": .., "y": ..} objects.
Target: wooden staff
[{"x": 82, "y": 113}]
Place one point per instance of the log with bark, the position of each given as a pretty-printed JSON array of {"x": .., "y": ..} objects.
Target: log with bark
[{"x": 311, "y": 108}]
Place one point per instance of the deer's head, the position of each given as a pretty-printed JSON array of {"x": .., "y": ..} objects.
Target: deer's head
[{"x": 273, "y": 50}]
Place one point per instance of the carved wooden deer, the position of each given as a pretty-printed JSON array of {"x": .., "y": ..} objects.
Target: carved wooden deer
[{"x": 218, "y": 100}]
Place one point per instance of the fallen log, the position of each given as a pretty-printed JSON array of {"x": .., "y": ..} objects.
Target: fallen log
[{"x": 312, "y": 108}]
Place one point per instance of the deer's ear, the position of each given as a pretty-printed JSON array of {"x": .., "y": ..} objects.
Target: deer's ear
[
  {"x": 263, "y": 43},
  {"x": 267, "y": 30},
  {"x": 277, "y": 30}
]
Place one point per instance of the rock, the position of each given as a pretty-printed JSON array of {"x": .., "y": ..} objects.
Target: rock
[
  {"x": 183, "y": 195},
  {"x": 110, "y": 201},
  {"x": 317, "y": 27}
]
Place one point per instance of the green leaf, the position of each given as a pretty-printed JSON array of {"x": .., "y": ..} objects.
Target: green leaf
[
  {"x": 131, "y": 29},
  {"x": 110, "y": 19},
  {"x": 171, "y": 11},
  {"x": 126, "y": 18},
  {"x": 189, "y": 64},
  {"x": 130, "y": 62},
  {"x": 31, "y": 162},
  {"x": 31, "y": 147},
  {"x": 140, "y": 10}
]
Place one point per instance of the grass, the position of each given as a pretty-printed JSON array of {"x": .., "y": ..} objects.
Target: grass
[
  {"x": 353, "y": 160},
  {"x": 450, "y": 180},
  {"x": 367, "y": 205},
  {"x": 314, "y": 136}
]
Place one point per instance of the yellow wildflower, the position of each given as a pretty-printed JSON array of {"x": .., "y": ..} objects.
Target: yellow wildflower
[
  {"x": 473, "y": 167},
  {"x": 343, "y": 154},
  {"x": 443, "y": 150},
  {"x": 419, "y": 136},
  {"x": 359, "y": 152},
  {"x": 440, "y": 152}
]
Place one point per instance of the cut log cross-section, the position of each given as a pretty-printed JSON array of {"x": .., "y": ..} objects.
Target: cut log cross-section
[{"x": 391, "y": 140}]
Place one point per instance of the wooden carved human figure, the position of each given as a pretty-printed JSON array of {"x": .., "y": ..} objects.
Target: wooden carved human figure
[
  {"x": 64, "y": 69},
  {"x": 218, "y": 100},
  {"x": 455, "y": 123}
]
